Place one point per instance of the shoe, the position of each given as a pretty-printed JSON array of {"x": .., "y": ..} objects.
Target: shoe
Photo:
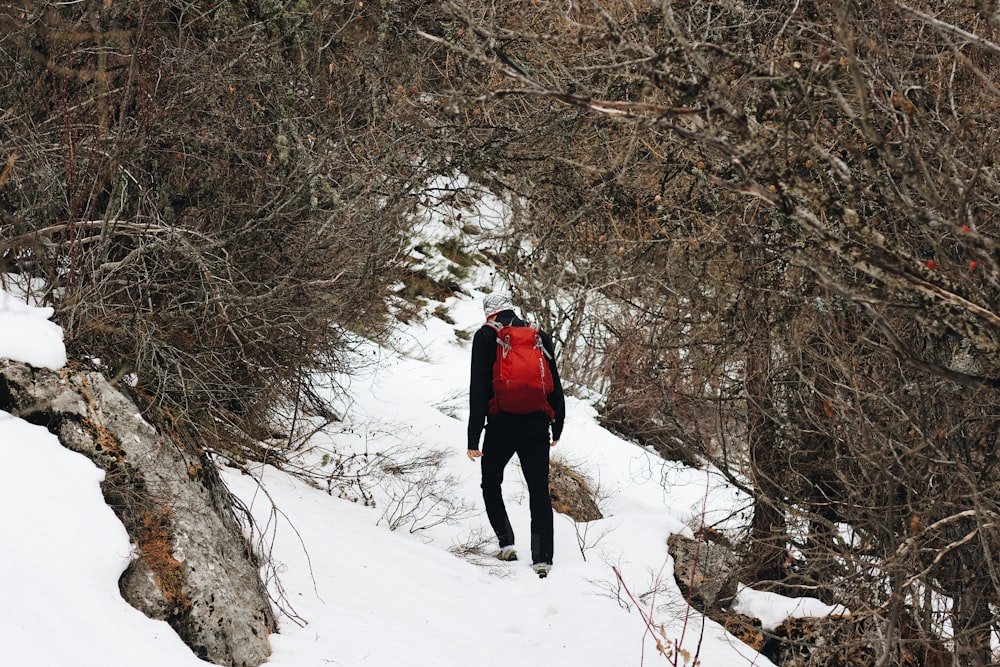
[
  {"x": 507, "y": 553},
  {"x": 542, "y": 569}
]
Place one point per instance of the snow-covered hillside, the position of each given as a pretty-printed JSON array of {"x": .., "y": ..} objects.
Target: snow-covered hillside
[{"x": 389, "y": 569}]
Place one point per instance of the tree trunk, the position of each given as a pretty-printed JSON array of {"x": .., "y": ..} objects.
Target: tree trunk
[{"x": 766, "y": 555}]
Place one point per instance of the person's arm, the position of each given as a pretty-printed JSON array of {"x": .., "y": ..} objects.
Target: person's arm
[
  {"x": 556, "y": 397},
  {"x": 480, "y": 384}
]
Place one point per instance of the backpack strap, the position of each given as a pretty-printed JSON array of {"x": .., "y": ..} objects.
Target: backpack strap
[
  {"x": 505, "y": 344},
  {"x": 497, "y": 327},
  {"x": 538, "y": 341}
]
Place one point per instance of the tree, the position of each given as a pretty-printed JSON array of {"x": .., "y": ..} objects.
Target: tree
[
  {"x": 210, "y": 212},
  {"x": 838, "y": 160}
]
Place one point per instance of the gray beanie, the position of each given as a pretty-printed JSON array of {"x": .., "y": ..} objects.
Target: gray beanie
[{"x": 496, "y": 303}]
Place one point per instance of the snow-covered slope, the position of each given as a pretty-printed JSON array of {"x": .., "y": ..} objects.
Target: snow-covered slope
[{"x": 408, "y": 581}]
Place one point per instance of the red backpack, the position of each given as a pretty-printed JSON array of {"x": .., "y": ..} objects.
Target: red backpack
[{"x": 521, "y": 376}]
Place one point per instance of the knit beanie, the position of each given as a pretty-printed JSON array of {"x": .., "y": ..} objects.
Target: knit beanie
[{"x": 496, "y": 303}]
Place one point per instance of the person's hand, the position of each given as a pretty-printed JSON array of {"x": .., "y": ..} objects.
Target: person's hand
[
  {"x": 473, "y": 454},
  {"x": 554, "y": 443}
]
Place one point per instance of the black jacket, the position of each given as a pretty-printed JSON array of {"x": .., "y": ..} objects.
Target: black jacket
[{"x": 484, "y": 352}]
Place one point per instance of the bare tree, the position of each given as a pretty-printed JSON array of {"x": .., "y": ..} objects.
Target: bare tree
[
  {"x": 794, "y": 209},
  {"x": 215, "y": 193}
]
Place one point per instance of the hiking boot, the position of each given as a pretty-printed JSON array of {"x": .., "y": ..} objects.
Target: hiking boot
[
  {"x": 542, "y": 569},
  {"x": 507, "y": 553}
]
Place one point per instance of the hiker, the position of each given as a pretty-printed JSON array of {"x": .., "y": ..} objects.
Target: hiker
[{"x": 521, "y": 426}]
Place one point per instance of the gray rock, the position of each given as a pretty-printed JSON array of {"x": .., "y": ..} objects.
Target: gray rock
[
  {"x": 571, "y": 494},
  {"x": 193, "y": 568},
  {"x": 705, "y": 571}
]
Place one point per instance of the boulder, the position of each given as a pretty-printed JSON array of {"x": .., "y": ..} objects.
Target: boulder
[
  {"x": 852, "y": 639},
  {"x": 193, "y": 567},
  {"x": 571, "y": 494},
  {"x": 705, "y": 570}
]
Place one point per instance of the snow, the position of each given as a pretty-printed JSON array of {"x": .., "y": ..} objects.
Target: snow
[
  {"x": 27, "y": 335},
  {"x": 772, "y": 609},
  {"x": 63, "y": 552},
  {"x": 353, "y": 591}
]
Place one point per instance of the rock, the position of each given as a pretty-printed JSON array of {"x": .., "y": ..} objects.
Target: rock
[
  {"x": 853, "y": 639},
  {"x": 745, "y": 628},
  {"x": 571, "y": 494},
  {"x": 194, "y": 566},
  {"x": 705, "y": 571}
]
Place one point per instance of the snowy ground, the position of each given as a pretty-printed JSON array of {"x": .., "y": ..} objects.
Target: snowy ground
[{"x": 377, "y": 586}]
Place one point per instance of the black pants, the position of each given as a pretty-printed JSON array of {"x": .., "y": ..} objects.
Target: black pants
[{"x": 528, "y": 437}]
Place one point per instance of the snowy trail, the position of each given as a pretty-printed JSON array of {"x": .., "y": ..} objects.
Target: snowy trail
[
  {"x": 406, "y": 599},
  {"x": 370, "y": 596}
]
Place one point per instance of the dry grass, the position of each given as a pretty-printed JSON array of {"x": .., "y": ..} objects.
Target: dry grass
[{"x": 155, "y": 544}]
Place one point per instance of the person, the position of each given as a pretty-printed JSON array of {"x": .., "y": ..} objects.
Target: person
[{"x": 509, "y": 434}]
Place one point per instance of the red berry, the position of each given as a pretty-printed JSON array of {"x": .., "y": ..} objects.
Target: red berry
[
  {"x": 965, "y": 228},
  {"x": 973, "y": 264},
  {"x": 931, "y": 264}
]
